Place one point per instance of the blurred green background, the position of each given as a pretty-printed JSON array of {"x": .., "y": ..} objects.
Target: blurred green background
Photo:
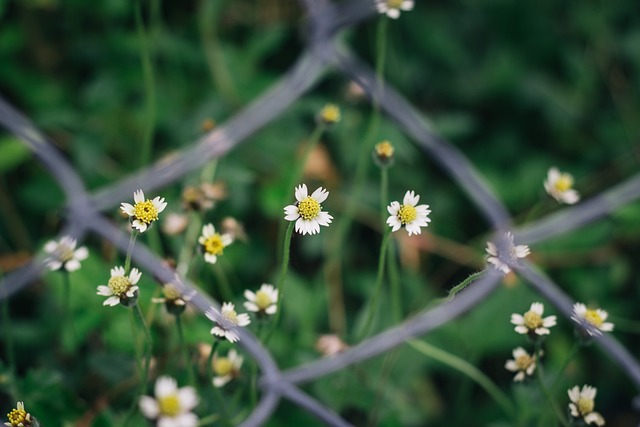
[{"x": 518, "y": 87}]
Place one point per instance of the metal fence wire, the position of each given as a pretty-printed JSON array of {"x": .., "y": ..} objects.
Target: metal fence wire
[{"x": 323, "y": 52}]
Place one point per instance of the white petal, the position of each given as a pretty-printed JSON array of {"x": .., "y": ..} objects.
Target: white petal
[
  {"x": 105, "y": 291},
  {"x": 127, "y": 208},
  {"x": 393, "y": 208},
  {"x": 72, "y": 265},
  {"x": 117, "y": 271},
  {"x": 149, "y": 407},
  {"x": 249, "y": 295},
  {"x": 138, "y": 196},
  {"x": 324, "y": 218},
  {"x": 112, "y": 301},
  {"x": 165, "y": 386},
  {"x": 393, "y": 13},
  {"x": 410, "y": 198},
  {"x": 51, "y": 246},
  {"x": 251, "y": 306},
  {"x": 54, "y": 265},
  {"x": 81, "y": 253},
  {"x": 139, "y": 225},
  {"x": 301, "y": 192},
  {"x": 134, "y": 276},
  {"x": 320, "y": 195},
  {"x": 159, "y": 203},
  {"x": 210, "y": 258},
  {"x": 221, "y": 380},
  {"x": 188, "y": 398}
]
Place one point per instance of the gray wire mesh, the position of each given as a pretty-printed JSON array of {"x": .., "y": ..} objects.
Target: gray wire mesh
[{"x": 325, "y": 19}]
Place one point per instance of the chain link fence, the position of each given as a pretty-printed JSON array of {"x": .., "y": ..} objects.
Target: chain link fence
[{"x": 323, "y": 52}]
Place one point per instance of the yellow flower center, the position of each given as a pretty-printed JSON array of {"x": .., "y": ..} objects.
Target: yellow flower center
[
  {"x": 169, "y": 405},
  {"x": 524, "y": 361},
  {"x": 119, "y": 285},
  {"x": 564, "y": 183},
  {"x": 384, "y": 150},
  {"x": 263, "y": 300},
  {"x": 309, "y": 208},
  {"x": 214, "y": 245},
  {"x": 394, "y": 4},
  {"x": 64, "y": 253},
  {"x": 231, "y": 315},
  {"x": 145, "y": 211},
  {"x": 594, "y": 318},
  {"x": 532, "y": 320},
  {"x": 330, "y": 114},
  {"x": 17, "y": 416},
  {"x": 170, "y": 292},
  {"x": 585, "y": 406},
  {"x": 407, "y": 213},
  {"x": 222, "y": 366}
]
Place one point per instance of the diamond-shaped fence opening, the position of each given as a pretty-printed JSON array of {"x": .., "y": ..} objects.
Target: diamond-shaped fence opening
[{"x": 325, "y": 21}]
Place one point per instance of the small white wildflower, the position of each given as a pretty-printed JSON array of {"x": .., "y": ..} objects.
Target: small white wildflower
[
  {"x": 559, "y": 186},
  {"x": 582, "y": 405},
  {"x": 145, "y": 211},
  {"x": 18, "y": 417},
  {"x": 593, "y": 321},
  {"x": 63, "y": 254},
  {"x": 409, "y": 215},
  {"x": 213, "y": 243},
  {"x": 522, "y": 363},
  {"x": 226, "y": 368},
  {"x": 501, "y": 260},
  {"x": 392, "y": 8},
  {"x": 172, "y": 406},
  {"x": 532, "y": 321},
  {"x": 227, "y": 322},
  {"x": 264, "y": 301},
  {"x": 174, "y": 223},
  {"x": 307, "y": 212},
  {"x": 120, "y": 288}
]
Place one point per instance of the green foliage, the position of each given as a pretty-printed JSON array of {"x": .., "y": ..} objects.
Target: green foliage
[{"x": 517, "y": 87}]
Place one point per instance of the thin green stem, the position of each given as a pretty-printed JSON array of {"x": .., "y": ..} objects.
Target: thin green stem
[
  {"x": 394, "y": 280},
  {"x": 209, "y": 369},
  {"x": 147, "y": 345},
  {"x": 459, "y": 287},
  {"x": 469, "y": 370},
  {"x": 223, "y": 281},
  {"x": 132, "y": 241},
  {"x": 67, "y": 317},
  {"x": 545, "y": 390},
  {"x": 137, "y": 314},
  {"x": 190, "y": 240},
  {"x": 286, "y": 251},
  {"x": 187, "y": 354},
  {"x": 560, "y": 376},
  {"x": 296, "y": 174},
  {"x": 149, "y": 82},
  {"x": 210, "y": 419},
  {"x": 378, "y": 287}
]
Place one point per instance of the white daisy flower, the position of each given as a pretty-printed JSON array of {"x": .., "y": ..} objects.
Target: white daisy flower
[
  {"x": 63, "y": 254},
  {"x": 172, "y": 406},
  {"x": 226, "y": 368},
  {"x": 523, "y": 364},
  {"x": 121, "y": 289},
  {"x": 559, "y": 186},
  {"x": 145, "y": 211},
  {"x": 409, "y": 215},
  {"x": 227, "y": 322},
  {"x": 18, "y": 417},
  {"x": 582, "y": 404},
  {"x": 593, "y": 321},
  {"x": 532, "y": 322},
  {"x": 213, "y": 243},
  {"x": 392, "y": 8},
  {"x": 264, "y": 301},
  {"x": 502, "y": 260},
  {"x": 307, "y": 212}
]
